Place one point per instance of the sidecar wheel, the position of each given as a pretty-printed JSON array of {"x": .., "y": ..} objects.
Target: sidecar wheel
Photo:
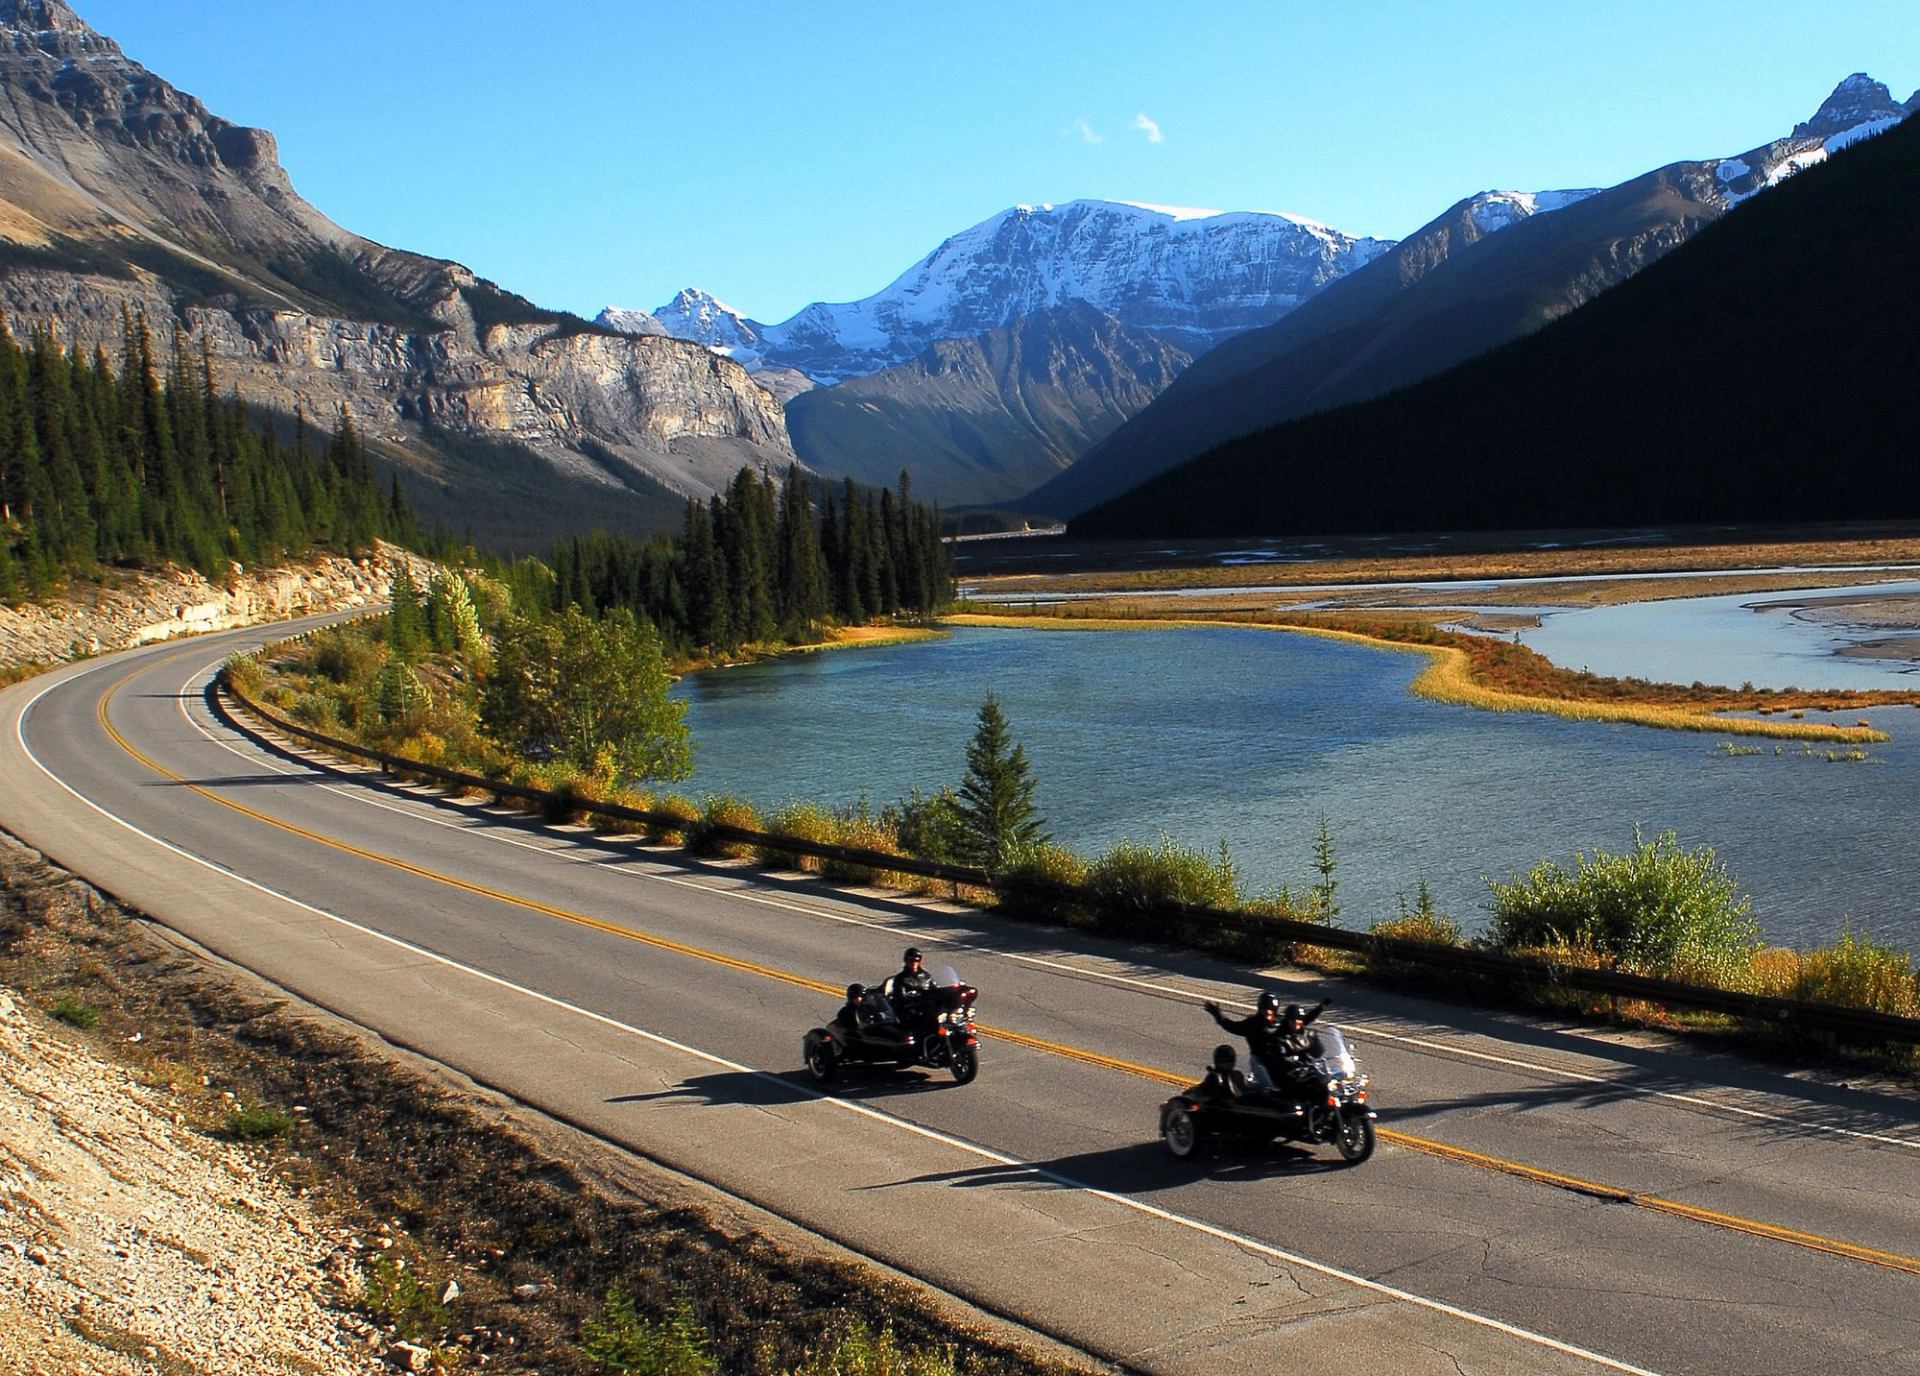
[
  {"x": 964, "y": 1064},
  {"x": 1355, "y": 1138},
  {"x": 1181, "y": 1133}
]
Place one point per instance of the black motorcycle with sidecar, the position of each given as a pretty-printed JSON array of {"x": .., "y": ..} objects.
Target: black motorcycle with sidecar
[
  {"x": 884, "y": 1028},
  {"x": 1326, "y": 1102}
]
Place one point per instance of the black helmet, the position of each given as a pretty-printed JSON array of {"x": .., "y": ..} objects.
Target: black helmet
[
  {"x": 1224, "y": 1057},
  {"x": 1294, "y": 1013},
  {"x": 912, "y": 953},
  {"x": 856, "y": 992}
]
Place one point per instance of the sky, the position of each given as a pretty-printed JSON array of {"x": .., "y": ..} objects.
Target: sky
[{"x": 587, "y": 153}]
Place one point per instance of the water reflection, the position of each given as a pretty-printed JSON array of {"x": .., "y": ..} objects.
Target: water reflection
[{"x": 1246, "y": 736}]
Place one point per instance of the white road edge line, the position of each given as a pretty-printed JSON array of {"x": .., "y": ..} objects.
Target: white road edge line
[
  {"x": 1372, "y": 1029},
  {"x": 862, "y": 1110}
]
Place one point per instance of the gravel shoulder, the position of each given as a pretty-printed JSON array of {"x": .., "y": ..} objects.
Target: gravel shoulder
[{"x": 401, "y": 1219}]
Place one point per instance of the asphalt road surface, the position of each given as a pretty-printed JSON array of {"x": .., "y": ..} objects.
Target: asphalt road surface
[{"x": 1543, "y": 1199}]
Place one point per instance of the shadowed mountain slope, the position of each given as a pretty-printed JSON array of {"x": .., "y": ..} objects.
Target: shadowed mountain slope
[
  {"x": 1451, "y": 290},
  {"x": 977, "y": 419},
  {"x": 1764, "y": 371}
]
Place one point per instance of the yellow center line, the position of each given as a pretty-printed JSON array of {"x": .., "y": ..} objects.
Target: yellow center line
[{"x": 1442, "y": 1150}]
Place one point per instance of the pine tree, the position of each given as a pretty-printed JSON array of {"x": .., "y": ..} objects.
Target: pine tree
[
  {"x": 406, "y": 621},
  {"x": 996, "y": 797}
]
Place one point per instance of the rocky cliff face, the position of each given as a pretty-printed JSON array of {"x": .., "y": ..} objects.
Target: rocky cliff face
[
  {"x": 985, "y": 418},
  {"x": 119, "y": 191},
  {"x": 140, "y": 609}
]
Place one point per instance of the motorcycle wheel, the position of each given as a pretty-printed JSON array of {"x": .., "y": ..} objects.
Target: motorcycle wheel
[
  {"x": 822, "y": 1064},
  {"x": 1355, "y": 1137},
  {"x": 964, "y": 1064},
  {"x": 1181, "y": 1133}
]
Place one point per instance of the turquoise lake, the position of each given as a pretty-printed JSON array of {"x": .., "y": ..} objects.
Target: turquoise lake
[{"x": 1250, "y": 737}]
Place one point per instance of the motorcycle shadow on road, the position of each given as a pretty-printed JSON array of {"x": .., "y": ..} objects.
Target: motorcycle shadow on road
[
  {"x": 1137, "y": 1168},
  {"x": 754, "y": 1089}
]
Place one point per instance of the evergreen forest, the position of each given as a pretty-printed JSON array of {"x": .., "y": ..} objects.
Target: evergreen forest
[
  {"x": 115, "y": 465},
  {"x": 761, "y": 563}
]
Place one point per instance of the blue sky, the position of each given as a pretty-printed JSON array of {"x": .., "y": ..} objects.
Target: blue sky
[{"x": 594, "y": 152}]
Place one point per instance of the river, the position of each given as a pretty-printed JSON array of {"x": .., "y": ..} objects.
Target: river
[{"x": 1250, "y": 737}]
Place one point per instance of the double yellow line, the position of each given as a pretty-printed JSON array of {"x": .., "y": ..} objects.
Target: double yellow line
[{"x": 1574, "y": 1184}]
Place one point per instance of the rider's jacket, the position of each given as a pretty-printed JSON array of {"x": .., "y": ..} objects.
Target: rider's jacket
[
  {"x": 911, "y": 984},
  {"x": 1271, "y": 1044}
]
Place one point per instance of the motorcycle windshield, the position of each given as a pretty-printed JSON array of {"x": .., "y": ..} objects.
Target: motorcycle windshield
[
  {"x": 944, "y": 977},
  {"x": 1336, "y": 1058}
]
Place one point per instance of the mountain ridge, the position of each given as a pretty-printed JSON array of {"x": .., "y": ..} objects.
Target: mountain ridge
[
  {"x": 120, "y": 193},
  {"x": 1443, "y": 294},
  {"x": 1680, "y": 395}
]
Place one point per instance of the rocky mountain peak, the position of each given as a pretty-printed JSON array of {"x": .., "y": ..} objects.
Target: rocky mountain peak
[
  {"x": 1857, "y": 100},
  {"x": 50, "y": 26}
]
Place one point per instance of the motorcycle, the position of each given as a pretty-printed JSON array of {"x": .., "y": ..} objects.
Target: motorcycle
[
  {"x": 895, "y": 1031},
  {"x": 1329, "y": 1104}
]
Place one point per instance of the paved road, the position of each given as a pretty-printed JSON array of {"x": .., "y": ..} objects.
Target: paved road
[{"x": 660, "y": 1003}]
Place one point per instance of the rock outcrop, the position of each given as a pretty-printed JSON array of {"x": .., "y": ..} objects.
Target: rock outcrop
[{"x": 140, "y": 609}]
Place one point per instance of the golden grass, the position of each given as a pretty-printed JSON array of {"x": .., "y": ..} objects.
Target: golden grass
[{"x": 1522, "y": 563}]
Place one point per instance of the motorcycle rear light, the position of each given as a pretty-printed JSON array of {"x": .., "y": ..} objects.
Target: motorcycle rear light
[
  {"x": 1361, "y": 1097},
  {"x": 1332, "y": 1102}
]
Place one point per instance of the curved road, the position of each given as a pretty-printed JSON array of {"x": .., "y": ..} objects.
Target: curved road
[{"x": 1544, "y": 1201}]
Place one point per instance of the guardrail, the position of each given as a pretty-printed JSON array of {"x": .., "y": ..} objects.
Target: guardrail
[{"x": 1857, "y": 1023}]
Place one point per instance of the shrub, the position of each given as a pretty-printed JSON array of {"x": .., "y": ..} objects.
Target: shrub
[
  {"x": 724, "y": 811},
  {"x": 1420, "y": 921},
  {"x": 258, "y": 1123},
  {"x": 682, "y": 814},
  {"x": 858, "y": 1350},
  {"x": 396, "y": 1294},
  {"x": 1132, "y": 886},
  {"x": 76, "y": 1012},
  {"x": 247, "y": 675},
  {"x": 317, "y": 711},
  {"x": 619, "y": 1340},
  {"x": 803, "y": 822},
  {"x": 1656, "y": 910},
  {"x": 1031, "y": 882},
  {"x": 1861, "y": 973},
  {"x": 346, "y": 655},
  {"x": 930, "y": 826}
]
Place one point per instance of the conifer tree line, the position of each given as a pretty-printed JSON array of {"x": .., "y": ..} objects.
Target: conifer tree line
[
  {"x": 105, "y": 464},
  {"x": 765, "y": 561}
]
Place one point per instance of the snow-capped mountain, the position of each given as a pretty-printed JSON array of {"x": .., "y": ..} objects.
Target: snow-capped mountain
[
  {"x": 1492, "y": 210},
  {"x": 701, "y": 316},
  {"x": 631, "y": 322},
  {"x": 1448, "y": 291},
  {"x": 1193, "y": 277},
  {"x": 1859, "y": 108},
  {"x": 1857, "y": 100}
]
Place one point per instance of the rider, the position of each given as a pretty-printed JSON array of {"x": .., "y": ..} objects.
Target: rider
[
  {"x": 1278, "y": 1039},
  {"x": 1224, "y": 1077},
  {"x": 913, "y": 982}
]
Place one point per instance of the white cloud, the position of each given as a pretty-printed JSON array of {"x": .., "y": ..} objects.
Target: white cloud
[
  {"x": 1149, "y": 128},
  {"x": 1087, "y": 133}
]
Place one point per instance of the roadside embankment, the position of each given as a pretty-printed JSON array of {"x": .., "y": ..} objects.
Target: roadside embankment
[{"x": 126, "y": 609}]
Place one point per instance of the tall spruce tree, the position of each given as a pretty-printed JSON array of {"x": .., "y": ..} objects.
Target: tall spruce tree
[{"x": 996, "y": 807}]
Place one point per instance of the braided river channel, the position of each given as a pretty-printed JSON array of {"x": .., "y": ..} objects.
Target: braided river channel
[{"x": 1249, "y": 737}]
